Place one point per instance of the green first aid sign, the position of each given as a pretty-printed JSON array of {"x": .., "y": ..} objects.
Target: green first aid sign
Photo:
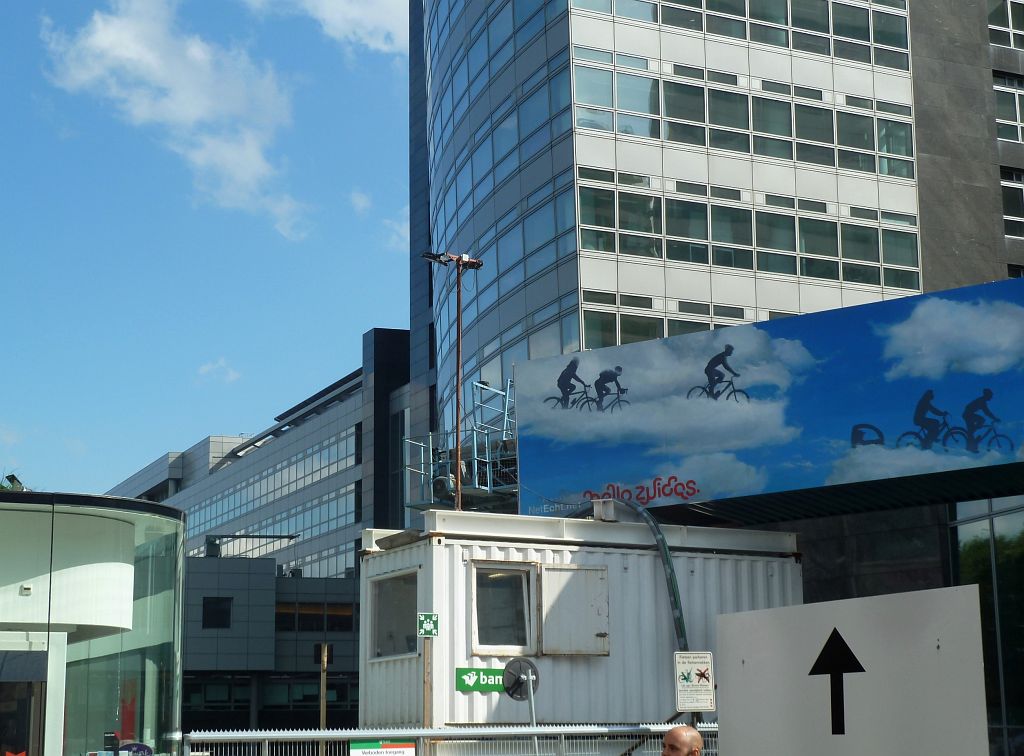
[{"x": 479, "y": 680}]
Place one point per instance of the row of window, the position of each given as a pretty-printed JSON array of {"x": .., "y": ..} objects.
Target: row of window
[
  {"x": 888, "y": 140},
  {"x": 301, "y": 617},
  {"x": 1006, "y": 23},
  {"x": 704, "y": 309},
  {"x": 307, "y": 520},
  {"x": 320, "y": 460},
  {"x": 852, "y": 28},
  {"x": 634, "y": 62},
  {"x": 726, "y": 224},
  {"x": 337, "y": 561},
  {"x": 634, "y": 180}
]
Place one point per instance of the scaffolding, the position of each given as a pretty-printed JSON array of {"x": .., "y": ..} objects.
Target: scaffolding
[{"x": 490, "y": 467}]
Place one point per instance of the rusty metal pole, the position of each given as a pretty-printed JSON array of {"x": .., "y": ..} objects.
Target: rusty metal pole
[{"x": 461, "y": 262}]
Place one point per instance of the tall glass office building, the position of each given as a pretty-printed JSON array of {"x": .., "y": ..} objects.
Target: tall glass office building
[{"x": 629, "y": 169}]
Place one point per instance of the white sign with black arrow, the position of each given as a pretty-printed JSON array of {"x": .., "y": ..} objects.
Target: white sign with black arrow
[{"x": 900, "y": 673}]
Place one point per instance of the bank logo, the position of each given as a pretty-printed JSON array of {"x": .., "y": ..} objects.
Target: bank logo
[{"x": 469, "y": 680}]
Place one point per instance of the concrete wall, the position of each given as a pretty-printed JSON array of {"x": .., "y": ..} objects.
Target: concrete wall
[{"x": 957, "y": 159}]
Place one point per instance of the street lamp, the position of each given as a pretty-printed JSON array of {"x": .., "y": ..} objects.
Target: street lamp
[{"x": 462, "y": 262}]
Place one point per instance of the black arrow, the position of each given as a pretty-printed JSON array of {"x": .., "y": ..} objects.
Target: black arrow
[{"x": 835, "y": 660}]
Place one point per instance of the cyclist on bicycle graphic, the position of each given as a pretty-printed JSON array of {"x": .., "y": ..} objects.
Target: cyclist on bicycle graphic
[
  {"x": 716, "y": 376},
  {"x": 601, "y": 385},
  {"x": 925, "y": 414},
  {"x": 565, "y": 379},
  {"x": 974, "y": 417}
]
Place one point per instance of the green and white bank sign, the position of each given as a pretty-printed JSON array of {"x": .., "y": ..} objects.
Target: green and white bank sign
[
  {"x": 468, "y": 680},
  {"x": 382, "y": 748}
]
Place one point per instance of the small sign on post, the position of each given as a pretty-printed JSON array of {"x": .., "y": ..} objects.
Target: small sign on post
[
  {"x": 695, "y": 681},
  {"x": 426, "y": 624}
]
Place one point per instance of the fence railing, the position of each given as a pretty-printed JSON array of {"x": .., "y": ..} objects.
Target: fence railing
[{"x": 547, "y": 740}]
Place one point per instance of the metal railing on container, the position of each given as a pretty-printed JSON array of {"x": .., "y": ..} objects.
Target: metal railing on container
[{"x": 546, "y": 740}]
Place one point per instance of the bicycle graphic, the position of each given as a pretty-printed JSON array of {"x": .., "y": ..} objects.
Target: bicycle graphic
[
  {"x": 584, "y": 402},
  {"x": 575, "y": 399},
  {"x": 726, "y": 389},
  {"x": 997, "y": 442},
  {"x": 953, "y": 437},
  {"x": 617, "y": 403}
]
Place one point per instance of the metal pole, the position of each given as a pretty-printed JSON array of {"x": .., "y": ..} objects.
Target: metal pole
[
  {"x": 323, "y": 695},
  {"x": 533, "y": 710},
  {"x": 458, "y": 384}
]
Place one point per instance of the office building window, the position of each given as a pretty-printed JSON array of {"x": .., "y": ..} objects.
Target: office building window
[
  {"x": 216, "y": 612},
  {"x": 1006, "y": 23},
  {"x": 1013, "y": 202}
]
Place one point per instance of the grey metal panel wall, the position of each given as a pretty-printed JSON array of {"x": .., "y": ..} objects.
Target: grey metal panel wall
[
  {"x": 248, "y": 644},
  {"x": 957, "y": 161}
]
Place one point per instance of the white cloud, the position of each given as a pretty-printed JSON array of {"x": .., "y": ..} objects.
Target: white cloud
[
  {"x": 398, "y": 231},
  {"x": 214, "y": 106},
  {"x": 719, "y": 475},
  {"x": 942, "y": 336},
  {"x": 878, "y": 462},
  {"x": 379, "y": 25},
  {"x": 219, "y": 370},
  {"x": 360, "y": 201}
]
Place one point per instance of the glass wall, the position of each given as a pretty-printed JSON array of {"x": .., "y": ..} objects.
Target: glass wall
[
  {"x": 501, "y": 186},
  {"x": 91, "y": 595},
  {"x": 989, "y": 550}
]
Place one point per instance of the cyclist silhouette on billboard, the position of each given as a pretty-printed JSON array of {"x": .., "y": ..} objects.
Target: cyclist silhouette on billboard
[
  {"x": 601, "y": 384},
  {"x": 565, "y": 379},
  {"x": 974, "y": 417},
  {"x": 925, "y": 414},
  {"x": 716, "y": 376}
]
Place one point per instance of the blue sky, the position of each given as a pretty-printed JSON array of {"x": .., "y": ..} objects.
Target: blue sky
[
  {"x": 203, "y": 206},
  {"x": 810, "y": 379}
]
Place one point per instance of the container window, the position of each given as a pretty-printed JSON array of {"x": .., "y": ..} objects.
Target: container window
[
  {"x": 394, "y": 621},
  {"x": 503, "y": 622}
]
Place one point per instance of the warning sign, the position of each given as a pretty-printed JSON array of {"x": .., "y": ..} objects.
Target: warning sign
[{"x": 695, "y": 681}]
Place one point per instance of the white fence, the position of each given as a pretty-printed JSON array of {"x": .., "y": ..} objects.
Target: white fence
[{"x": 548, "y": 740}]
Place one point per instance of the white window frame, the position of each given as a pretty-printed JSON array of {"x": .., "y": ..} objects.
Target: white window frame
[{"x": 530, "y": 571}]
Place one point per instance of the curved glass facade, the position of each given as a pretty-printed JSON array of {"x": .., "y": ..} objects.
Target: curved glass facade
[
  {"x": 90, "y": 624},
  {"x": 499, "y": 159}
]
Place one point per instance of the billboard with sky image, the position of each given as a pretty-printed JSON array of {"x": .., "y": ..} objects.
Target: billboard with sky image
[{"x": 909, "y": 386}]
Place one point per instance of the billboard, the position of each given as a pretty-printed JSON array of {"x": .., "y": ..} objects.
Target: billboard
[{"x": 909, "y": 386}]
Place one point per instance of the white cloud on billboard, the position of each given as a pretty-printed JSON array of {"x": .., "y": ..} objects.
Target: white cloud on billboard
[
  {"x": 667, "y": 424},
  {"x": 879, "y": 462},
  {"x": 942, "y": 336},
  {"x": 719, "y": 475},
  {"x": 658, "y": 376}
]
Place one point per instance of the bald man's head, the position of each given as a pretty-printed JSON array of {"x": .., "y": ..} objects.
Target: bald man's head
[{"x": 682, "y": 741}]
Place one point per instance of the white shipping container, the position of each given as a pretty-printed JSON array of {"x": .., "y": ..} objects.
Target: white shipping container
[{"x": 585, "y": 600}]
